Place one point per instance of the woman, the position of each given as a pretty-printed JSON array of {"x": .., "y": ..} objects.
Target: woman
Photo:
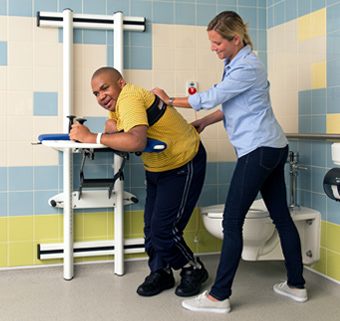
[{"x": 261, "y": 149}]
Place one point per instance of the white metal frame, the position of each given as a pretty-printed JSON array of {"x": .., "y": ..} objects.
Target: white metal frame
[{"x": 68, "y": 21}]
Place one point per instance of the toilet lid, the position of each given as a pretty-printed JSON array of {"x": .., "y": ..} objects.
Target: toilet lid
[{"x": 257, "y": 210}]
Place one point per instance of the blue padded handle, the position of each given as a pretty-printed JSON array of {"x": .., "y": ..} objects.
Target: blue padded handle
[{"x": 53, "y": 137}]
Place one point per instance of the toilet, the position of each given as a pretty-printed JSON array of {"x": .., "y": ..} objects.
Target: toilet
[{"x": 260, "y": 237}]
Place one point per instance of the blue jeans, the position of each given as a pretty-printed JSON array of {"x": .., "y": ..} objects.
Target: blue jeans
[
  {"x": 171, "y": 198},
  {"x": 261, "y": 170}
]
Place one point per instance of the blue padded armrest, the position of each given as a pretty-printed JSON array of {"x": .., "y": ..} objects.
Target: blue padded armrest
[
  {"x": 154, "y": 146},
  {"x": 53, "y": 137}
]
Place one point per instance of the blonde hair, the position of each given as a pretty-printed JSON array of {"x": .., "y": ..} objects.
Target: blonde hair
[{"x": 229, "y": 24}]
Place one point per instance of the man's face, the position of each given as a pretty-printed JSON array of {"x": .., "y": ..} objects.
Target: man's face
[{"x": 107, "y": 90}]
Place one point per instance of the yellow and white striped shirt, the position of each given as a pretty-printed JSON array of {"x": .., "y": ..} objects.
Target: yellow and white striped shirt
[{"x": 181, "y": 138}]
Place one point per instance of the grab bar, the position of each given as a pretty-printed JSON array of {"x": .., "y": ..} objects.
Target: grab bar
[{"x": 313, "y": 136}]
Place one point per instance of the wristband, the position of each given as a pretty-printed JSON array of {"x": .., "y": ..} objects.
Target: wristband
[{"x": 99, "y": 136}]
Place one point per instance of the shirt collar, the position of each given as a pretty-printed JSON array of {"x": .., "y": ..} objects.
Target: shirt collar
[{"x": 239, "y": 56}]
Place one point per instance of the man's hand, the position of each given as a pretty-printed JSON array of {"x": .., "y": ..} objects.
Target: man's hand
[{"x": 82, "y": 134}]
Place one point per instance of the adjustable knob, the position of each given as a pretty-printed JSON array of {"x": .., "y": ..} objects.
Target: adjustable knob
[
  {"x": 71, "y": 118},
  {"x": 81, "y": 121}
]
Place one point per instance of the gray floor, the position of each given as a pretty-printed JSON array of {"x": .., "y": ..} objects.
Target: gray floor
[{"x": 97, "y": 294}]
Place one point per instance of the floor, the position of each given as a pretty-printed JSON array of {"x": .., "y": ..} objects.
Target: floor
[{"x": 97, "y": 294}]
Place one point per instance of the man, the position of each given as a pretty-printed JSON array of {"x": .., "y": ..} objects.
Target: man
[{"x": 174, "y": 176}]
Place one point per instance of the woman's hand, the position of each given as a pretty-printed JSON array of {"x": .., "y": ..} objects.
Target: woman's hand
[
  {"x": 161, "y": 94},
  {"x": 199, "y": 124}
]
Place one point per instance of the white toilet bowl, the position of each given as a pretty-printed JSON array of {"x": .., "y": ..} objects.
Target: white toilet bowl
[{"x": 260, "y": 237}]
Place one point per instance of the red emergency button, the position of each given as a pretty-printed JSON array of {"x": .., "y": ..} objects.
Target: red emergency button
[{"x": 192, "y": 90}]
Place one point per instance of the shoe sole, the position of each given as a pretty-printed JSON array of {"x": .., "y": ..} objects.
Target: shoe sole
[
  {"x": 184, "y": 295},
  {"x": 157, "y": 292},
  {"x": 213, "y": 310},
  {"x": 291, "y": 296}
]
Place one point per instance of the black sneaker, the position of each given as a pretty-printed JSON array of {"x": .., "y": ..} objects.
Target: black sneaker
[
  {"x": 156, "y": 282},
  {"x": 192, "y": 279}
]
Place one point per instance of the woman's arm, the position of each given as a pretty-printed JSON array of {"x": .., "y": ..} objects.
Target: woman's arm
[
  {"x": 210, "y": 119},
  {"x": 178, "y": 101}
]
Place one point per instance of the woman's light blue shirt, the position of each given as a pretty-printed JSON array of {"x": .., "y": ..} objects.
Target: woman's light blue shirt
[{"x": 247, "y": 113}]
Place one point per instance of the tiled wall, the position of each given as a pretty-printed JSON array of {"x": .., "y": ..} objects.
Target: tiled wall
[{"x": 174, "y": 49}]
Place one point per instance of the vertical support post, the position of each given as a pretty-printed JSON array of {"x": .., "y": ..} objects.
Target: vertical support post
[
  {"x": 119, "y": 185},
  {"x": 67, "y": 155}
]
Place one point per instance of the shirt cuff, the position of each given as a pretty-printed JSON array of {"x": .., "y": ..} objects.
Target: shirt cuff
[{"x": 195, "y": 101}]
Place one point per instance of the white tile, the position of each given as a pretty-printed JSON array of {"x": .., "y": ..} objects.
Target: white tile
[
  {"x": 185, "y": 59},
  {"x": 20, "y": 78},
  {"x": 20, "y": 128},
  {"x": 163, "y": 35},
  {"x": 3, "y": 77},
  {"x": 46, "y": 55},
  {"x": 3, "y": 28},
  {"x": 45, "y": 156},
  {"x": 20, "y": 54},
  {"x": 45, "y": 35},
  {"x": 163, "y": 58},
  {"x": 94, "y": 56},
  {"x": 226, "y": 151},
  {"x": 211, "y": 149},
  {"x": 20, "y": 29},
  {"x": 3, "y": 128},
  {"x": 3, "y": 103},
  {"x": 165, "y": 80},
  {"x": 185, "y": 36},
  {"x": 20, "y": 103},
  {"x": 3, "y": 158},
  {"x": 20, "y": 153},
  {"x": 45, "y": 79}
]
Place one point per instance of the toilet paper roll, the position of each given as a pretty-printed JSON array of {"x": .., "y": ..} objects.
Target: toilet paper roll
[
  {"x": 336, "y": 153},
  {"x": 335, "y": 192}
]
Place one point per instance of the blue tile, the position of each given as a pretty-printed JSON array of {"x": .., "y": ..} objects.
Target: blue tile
[
  {"x": 3, "y": 202},
  {"x": 94, "y": 7},
  {"x": 249, "y": 15},
  {"x": 304, "y": 198},
  {"x": 137, "y": 175},
  {"x": 3, "y": 179},
  {"x": 142, "y": 9},
  {"x": 141, "y": 58},
  {"x": 163, "y": 12},
  {"x": 304, "y": 7},
  {"x": 332, "y": 19},
  {"x": 319, "y": 153},
  {"x": 45, "y": 104},
  {"x": 333, "y": 72},
  {"x": 262, "y": 3},
  {"x": 94, "y": 37},
  {"x": 319, "y": 204},
  {"x": 20, "y": 8},
  {"x": 304, "y": 179},
  {"x": 291, "y": 10},
  {"x": 225, "y": 172},
  {"x": 333, "y": 45},
  {"x": 305, "y": 124},
  {"x": 318, "y": 4},
  {"x": 211, "y": 173},
  {"x": 118, "y": 5},
  {"x": 75, "y": 5},
  {"x": 184, "y": 14},
  {"x": 330, "y": 163},
  {"x": 330, "y": 2},
  {"x": 208, "y": 196},
  {"x": 318, "y": 175},
  {"x": 140, "y": 193},
  {"x": 263, "y": 58},
  {"x": 20, "y": 203},
  {"x": 43, "y": 5},
  {"x": 253, "y": 36},
  {"x": 41, "y": 205},
  {"x": 333, "y": 210},
  {"x": 143, "y": 39},
  {"x": 223, "y": 190},
  {"x": 319, "y": 101},
  {"x": 224, "y": 7},
  {"x": 262, "y": 21},
  {"x": 270, "y": 17},
  {"x": 45, "y": 177},
  {"x": 305, "y": 153},
  {"x": 247, "y": 3},
  {"x": 333, "y": 98},
  {"x": 230, "y": 2},
  {"x": 305, "y": 102},
  {"x": 279, "y": 12},
  {"x": 3, "y": 53},
  {"x": 205, "y": 14},
  {"x": 3, "y": 7},
  {"x": 109, "y": 56},
  {"x": 262, "y": 40},
  {"x": 20, "y": 178},
  {"x": 319, "y": 124}
]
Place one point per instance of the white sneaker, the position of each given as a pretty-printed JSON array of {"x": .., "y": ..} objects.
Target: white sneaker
[
  {"x": 299, "y": 295},
  {"x": 203, "y": 304}
]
